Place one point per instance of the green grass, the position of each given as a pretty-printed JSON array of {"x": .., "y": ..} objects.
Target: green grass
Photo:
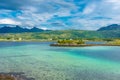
[{"x": 62, "y": 34}]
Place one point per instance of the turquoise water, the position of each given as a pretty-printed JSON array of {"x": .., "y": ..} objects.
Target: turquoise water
[{"x": 42, "y": 62}]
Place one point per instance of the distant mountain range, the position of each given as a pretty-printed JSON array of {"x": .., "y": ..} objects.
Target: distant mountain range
[
  {"x": 108, "y": 32},
  {"x": 110, "y": 27},
  {"x": 111, "y": 31},
  {"x": 18, "y": 29}
]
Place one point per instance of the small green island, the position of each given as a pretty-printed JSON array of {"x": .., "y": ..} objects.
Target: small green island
[
  {"x": 83, "y": 43},
  {"x": 107, "y": 36}
]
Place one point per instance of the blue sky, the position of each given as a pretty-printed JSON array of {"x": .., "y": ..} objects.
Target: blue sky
[{"x": 60, "y": 14}]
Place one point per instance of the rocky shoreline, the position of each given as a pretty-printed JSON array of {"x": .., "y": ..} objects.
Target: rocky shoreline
[{"x": 82, "y": 45}]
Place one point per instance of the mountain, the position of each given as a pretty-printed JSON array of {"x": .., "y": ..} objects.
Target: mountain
[
  {"x": 110, "y": 27},
  {"x": 18, "y": 29},
  {"x": 34, "y": 29},
  {"x": 63, "y": 34},
  {"x": 109, "y": 32}
]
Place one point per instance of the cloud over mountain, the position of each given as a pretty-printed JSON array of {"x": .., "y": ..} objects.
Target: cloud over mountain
[{"x": 76, "y": 14}]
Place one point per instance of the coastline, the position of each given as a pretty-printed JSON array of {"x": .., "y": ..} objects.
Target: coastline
[
  {"x": 61, "y": 45},
  {"x": 81, "y": 45},
  {"x": 27, "y": 41}
]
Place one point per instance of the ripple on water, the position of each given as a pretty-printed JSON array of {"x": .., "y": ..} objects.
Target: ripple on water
[{"x": 42, "y": 62}]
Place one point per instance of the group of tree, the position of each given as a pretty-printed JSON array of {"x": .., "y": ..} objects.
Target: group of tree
[{"x": 69, "y": 42}]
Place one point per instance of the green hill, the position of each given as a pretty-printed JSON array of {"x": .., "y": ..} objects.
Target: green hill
[
  {"x": 109, "y": 32},
  {"x": 62, "y": 34}
]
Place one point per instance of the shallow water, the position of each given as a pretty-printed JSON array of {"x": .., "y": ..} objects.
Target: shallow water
[{"x": 42, "y": 62}]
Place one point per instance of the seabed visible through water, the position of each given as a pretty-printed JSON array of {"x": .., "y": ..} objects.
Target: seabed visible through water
[{"x": 39, "y": 61}]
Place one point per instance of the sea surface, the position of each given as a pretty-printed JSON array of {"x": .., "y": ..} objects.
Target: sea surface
[{"x": 41, "y": 62}]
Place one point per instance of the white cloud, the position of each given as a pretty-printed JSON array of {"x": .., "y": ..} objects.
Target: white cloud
[
  {"x": 96, "y": 15},
  {"x": 34, "y": 19},
  {"x": 9, "y": 21},
  {"x": 113, "y": 1},
  {"x": 83, "y": 14},
  {"x": 44, "y": 28},
  {"x": 89, "y": 9}
]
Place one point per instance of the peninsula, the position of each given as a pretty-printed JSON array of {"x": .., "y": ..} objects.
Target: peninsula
[{"x": 82, "y": 43}]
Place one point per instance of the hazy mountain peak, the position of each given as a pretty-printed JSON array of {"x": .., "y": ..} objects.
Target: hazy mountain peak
[
  {"x": 17, "y": 29},
  {"x": 110, "y": 27}
]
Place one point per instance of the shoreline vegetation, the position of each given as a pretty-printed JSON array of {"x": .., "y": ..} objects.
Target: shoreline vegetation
[
  {"x": 82, "y": 43},
  {"x": 62, "y": 38},
  {"x": 70, "y": 42}
]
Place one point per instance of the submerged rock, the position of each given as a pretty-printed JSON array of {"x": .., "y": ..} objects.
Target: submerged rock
[{"x": 14, "y": 76}]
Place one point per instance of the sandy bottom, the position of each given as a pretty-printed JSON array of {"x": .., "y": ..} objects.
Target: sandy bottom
[{"x": 42, "y": 62}]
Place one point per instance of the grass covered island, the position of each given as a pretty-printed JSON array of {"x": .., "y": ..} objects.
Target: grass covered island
[{"x": 82, "y": 43}]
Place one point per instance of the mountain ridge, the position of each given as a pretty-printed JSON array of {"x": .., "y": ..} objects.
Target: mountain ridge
[
  {"x": 18, "y": 29},
  {"x": 36, "y": 33},
  {"x": 110, "y": 27}
]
